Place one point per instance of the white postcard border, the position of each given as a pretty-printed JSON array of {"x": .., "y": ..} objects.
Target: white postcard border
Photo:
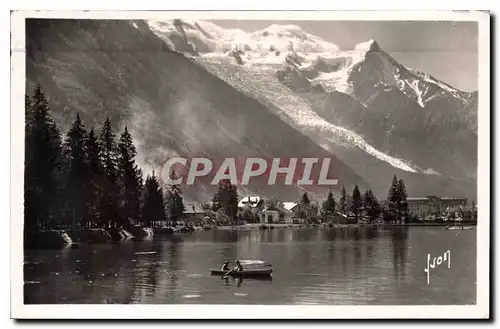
[{"x": 19, "y": 310}]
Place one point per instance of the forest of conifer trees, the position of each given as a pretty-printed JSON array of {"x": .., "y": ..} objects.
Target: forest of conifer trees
[
  {"x": 87, "y": 179},
  {"x": 366, "y": 205}
]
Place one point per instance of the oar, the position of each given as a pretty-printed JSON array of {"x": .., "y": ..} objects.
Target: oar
[{"x": 225, "y": 275}]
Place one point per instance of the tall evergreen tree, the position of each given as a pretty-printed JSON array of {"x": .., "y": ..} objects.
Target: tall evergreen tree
[
  {"x": 43, "y": 166},
  {"x": 371, "y": 207},
  {"x": 343, "y": 201},
  {"x": 356, "y": 202},
  {"x": 403, "y": 210},
  {"x": 28, "y": 116},
  {"x": 216, "y": 200},
  {"x": 74, "y": 148},
  {"x": 174, "y": 201},
  {"x": 393, "y": 201},
  {"x": 130, "y": 180},
  {"x": 305, "y": 199},
  {"x": 226, "y": 198},
  {"x": 108, "y": 154},
  {"x": 95, "y": 180},
  {"x": 329, "y": 206},
  {"x": 153, "y": 207},
  {"x": 232, "y": 206}
]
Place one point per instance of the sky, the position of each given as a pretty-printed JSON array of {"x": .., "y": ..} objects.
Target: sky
[{"x": 446, "y": 50}]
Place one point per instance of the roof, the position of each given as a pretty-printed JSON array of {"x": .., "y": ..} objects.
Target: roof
[
  {"x": 274, "y": 208},
  {"x": 289, "y": 205}
]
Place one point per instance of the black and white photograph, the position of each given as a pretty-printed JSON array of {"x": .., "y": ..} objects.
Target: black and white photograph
[{"x": 230, "y": 163}]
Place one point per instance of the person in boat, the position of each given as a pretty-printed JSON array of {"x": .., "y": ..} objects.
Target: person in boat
[
  {"x": 225, "y": 267},
  {"x": 238, "y": 267}
]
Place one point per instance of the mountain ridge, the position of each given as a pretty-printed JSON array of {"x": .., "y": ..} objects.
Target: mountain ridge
[
  {"x": 172, "y": 107},
  {"x": 379, "y": 95},
  {"x": 175, "y": 106}
]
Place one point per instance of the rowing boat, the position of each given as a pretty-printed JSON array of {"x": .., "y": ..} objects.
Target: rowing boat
[{"x": 254, "y": 272}]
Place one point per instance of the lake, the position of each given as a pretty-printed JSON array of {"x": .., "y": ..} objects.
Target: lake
[{"x": 337, "y": 266}]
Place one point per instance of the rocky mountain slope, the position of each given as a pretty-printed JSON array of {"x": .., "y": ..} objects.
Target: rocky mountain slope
[
  {"x": 172, "y": 106},
  {"x": 401, "y": 116},
  {"x": 196, "y": 92}
]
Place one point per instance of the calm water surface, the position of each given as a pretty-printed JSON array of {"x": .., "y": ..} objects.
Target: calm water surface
[{"x": 347, "y": 266}]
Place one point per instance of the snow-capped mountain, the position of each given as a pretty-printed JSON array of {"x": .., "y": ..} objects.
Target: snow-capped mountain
[
  {"x": 195, "y": 89},
  {"x": 261, "y": 52},
  {"x": 361, "y": 98},
  {"x": 172, "y": 106},
  {"x": 205, "y": 37},
  {"x": 321, "y": 61}
]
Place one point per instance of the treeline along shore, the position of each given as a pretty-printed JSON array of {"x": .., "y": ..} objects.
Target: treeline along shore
[{"x": 86, "y": 186}]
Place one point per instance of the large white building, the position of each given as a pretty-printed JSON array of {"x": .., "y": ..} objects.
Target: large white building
[{"x": 431, "y": 205}]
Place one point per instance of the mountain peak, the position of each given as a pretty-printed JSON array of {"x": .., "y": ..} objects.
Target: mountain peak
[
  {"x": 287, "y": 28},
  {"x": 370, "y": 45}
]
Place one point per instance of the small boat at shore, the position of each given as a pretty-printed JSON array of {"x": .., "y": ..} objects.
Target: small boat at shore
[
  {"x": 460, "y": 228},
  {"x": 254, "y": 272}
]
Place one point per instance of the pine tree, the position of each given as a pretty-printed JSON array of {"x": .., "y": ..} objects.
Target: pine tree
[
  {"x": 371, "y": 207},
  {"x": 329, "y": 205},
  {"x": 153, "y": 207},
  {"x": 232, "y": 202},
  {"x": 108, "y": 154},
  {"x": 28, "y": 116},
  {"x": 356, "y": 203},
  {"x": 403, "y": 210},
  {"x": 74, "y": 149},
  {"x": 95, "y": 179},
  {"x": 305, "y": 199},
  {"x": 130, "y": 180},
  {"x": 226, "y": 198},
  {"x": 174, "y": 201},
  {"x": 43, "y": 166},
  {"x": 393, "y": 201},
  {"x": 343, "y": 201},
  {"x": 216, "y": 200}
]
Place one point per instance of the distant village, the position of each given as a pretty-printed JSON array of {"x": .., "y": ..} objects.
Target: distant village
[{"x": 347, "y": 209}]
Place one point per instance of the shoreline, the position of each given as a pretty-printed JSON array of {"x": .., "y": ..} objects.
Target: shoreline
[
  {"x": 308, "y": 226},
  {"x": 58, "y": 239}
]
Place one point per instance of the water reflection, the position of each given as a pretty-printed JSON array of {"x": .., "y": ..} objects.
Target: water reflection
[
  {"x": 341, "y": 266},
  {"x": 399, "y": 250}
]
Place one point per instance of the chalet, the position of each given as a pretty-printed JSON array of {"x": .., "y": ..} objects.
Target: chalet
[
  {"x": 294, "y": 218},
  {"x": 275, "y": 215},
  {"x": 302, "y": 211}
]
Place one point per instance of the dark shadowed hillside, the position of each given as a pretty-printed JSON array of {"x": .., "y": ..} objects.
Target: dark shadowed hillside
[{"x": 171, "y": 106}]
